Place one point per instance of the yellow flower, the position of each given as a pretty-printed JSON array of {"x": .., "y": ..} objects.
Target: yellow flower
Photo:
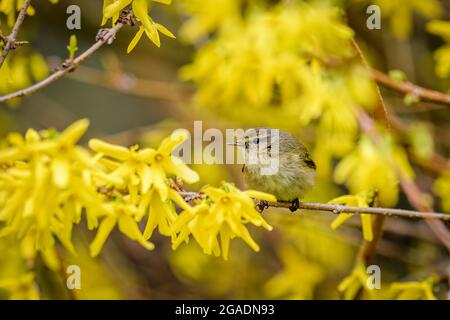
[
  {"x": 207, "y": 16},
  {"x": 359, "y": 200},
  {"x": 223, "y": 214},
  {"x": 360, "y": 169},
  {"x": 55, "y": 164},
  {"x": 123, "y": 215},
  {"x": 355, "y": 282},
  {"x": 147, "y": 168},
  {"x": 414, "y": 290},
  {"x": 73, "y": 181},
  {"x": 112, "y": 9},
  {"x": 144, "y": 174}
]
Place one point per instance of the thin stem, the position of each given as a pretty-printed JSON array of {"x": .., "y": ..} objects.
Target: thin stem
[
  {"x": 338, "y": 209},
  {"x": 410, "y": 88},
  {"x": 11, "y": 39},
  {"x": 70, "y": 65}
]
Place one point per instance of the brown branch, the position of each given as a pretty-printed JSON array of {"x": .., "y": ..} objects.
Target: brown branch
[
  {"x": 10, "y": 41},
  {"x": 410, "y": 88},
  {"x": 338, "y": 208},
  {"x": 104, "y": 36}
]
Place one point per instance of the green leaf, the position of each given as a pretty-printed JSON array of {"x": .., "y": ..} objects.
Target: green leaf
[{"x": 72, "y": 47}]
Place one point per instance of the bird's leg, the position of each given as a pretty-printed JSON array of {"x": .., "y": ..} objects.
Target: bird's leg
[
  {"x": 295, "y": 204},
  {"x": 262, "y": 205}
]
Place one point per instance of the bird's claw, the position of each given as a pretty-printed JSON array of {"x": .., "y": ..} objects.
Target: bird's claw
[
  {"x": 295, "y": 204},
  {"x": 262, "y": 205}
]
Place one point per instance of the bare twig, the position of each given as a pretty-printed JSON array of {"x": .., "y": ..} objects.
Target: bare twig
[
  {"x": 338, "y": 209},
  {"x": 10, "y": 41},
  {"x": 104, "y": 36},
  {"x": 410, "y": 88}
]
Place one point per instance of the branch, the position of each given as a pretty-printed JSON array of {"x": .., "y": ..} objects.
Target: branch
[
  {"x": 104, "y": 36},
  {"x": 10, "y": 42},
  {"x": 338, "y": 209},
  {"x": 410, "y": 88}
]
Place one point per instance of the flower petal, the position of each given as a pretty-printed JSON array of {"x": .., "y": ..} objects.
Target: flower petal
[
  {"x": 129, "y": 227},
  {"x": 103, "y": 232},
  {"x": 340, "y": 219},
  {"x": 74, "y": 132},
  {"x": 260, "y": 195},
  {"x": 111, "y": 150},
  {"x": 178, "y": 168},
  {"x": 115, "y": 7},
  {"x": 164, "y": 30},
  {"x": 60, "y": 172},
  {"x": 135, "y": 40}
]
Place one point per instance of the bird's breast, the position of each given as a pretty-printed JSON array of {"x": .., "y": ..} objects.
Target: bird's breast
[{"x": 289, "y": 181}]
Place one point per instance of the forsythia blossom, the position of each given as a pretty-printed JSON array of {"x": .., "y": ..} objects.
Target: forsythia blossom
[
  {"x": 360, "y": 169},
  {"x": 224, "y": 214},
  {"x": 144, "y": 181},
  {"x": 352, "y": 284},
  {"x": 117, "y": 186},
  {"x": 360, "y": 200},
  {"x": 39, "y": 162},
  {"x": 112, "y": 9}
]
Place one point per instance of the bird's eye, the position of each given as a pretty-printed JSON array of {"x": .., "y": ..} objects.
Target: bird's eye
[{"x": 256, "y": 141}]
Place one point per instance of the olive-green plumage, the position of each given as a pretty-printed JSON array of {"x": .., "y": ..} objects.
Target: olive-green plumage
[{"x": 295, "y": 172}]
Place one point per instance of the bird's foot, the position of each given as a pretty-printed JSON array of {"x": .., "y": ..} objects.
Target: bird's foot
[
  {"x": 262, "y": 205},
  {"x": 295, "y": 204}
]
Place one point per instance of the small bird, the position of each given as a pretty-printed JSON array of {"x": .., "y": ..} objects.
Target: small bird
[{"x": 294, "y": 170}]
